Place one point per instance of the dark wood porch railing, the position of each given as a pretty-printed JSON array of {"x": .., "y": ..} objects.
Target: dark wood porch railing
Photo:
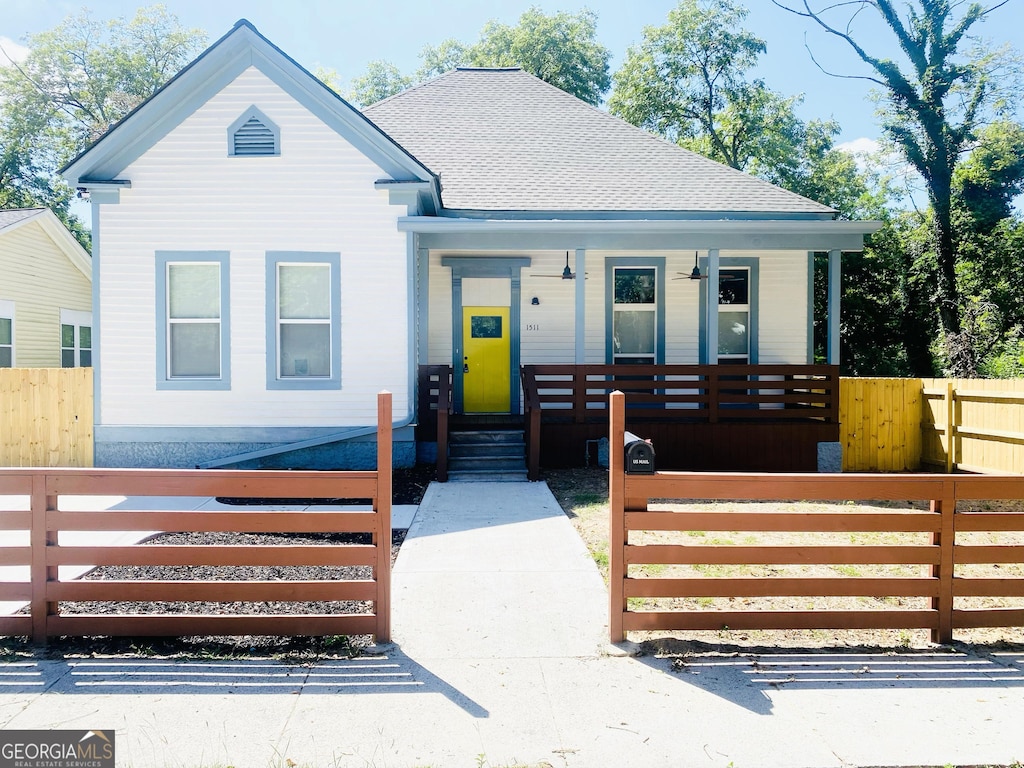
[
  {"x": 709, "y": 394},
  {"x": 435, "y": 406}
]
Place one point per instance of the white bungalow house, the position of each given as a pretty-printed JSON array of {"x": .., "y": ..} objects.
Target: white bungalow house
[{"x": 267, "y": 257}]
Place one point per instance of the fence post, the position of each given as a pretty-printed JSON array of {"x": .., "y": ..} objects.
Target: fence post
[
  {"x": 616, "y": 505},
  {"x": 382, "y": 507},
  {"x": 41, "y": 539},
  {"x": 950, "y": 431},
  {"x": 945, "y": 539}
]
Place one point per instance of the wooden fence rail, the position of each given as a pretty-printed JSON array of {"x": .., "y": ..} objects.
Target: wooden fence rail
[
  {"x": 46, "y": 417},
  {"x": 976, "y": 425},
  {"x": 48, "y": 517},
  {"x": 939, "y": 557}
]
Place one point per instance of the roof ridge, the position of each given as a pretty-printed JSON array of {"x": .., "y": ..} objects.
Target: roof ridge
[{"x": 411, "y": 88}]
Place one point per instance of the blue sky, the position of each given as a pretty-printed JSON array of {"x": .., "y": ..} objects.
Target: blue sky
[{"x": 344, "y": 35}]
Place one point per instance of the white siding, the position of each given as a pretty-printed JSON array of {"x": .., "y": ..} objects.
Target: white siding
[
  {"x": 318, "y": 195},
  {"x": 38, "y": 277},
  {"x": 439, "y": 321},
  {"x": 548, "y": 329},
  {"x": 783, "y": 308}
]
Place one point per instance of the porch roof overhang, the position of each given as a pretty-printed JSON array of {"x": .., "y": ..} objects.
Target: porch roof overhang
[{"x": 612, "y": 234}]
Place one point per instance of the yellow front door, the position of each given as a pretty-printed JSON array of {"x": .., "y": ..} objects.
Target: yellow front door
[{"x": 486, "y": 360}]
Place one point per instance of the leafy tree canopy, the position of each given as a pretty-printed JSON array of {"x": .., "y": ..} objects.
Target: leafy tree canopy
[
  {"x": 79, "y": 79},
  {"x": 560, "y": 48}
]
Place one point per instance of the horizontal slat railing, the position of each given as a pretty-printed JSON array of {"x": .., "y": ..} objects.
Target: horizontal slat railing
[
  {"x": 757, "y": 394},
  {"x": 709, "y": 392},
  {"x": 435, "y": 406},
  {"x": 46, "y": 521},
  {"x": 940, "y": 582}
]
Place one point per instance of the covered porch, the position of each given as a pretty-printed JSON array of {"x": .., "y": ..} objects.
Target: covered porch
[{"x": 770, "y": 418}]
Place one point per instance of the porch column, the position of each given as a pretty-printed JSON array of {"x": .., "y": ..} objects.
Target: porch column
[
  {"x": 712, "y": 307},
  {"x": 581, "y": 306},
  {"x": 834, "y": 292}
]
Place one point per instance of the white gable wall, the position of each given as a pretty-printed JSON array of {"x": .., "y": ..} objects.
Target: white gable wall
[{"x": 318, "y": 195}]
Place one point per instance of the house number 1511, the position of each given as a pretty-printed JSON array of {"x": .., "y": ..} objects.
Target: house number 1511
[{"x": 532, "y": 327}]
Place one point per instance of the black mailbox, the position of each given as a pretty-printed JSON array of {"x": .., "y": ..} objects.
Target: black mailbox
[{"x": 639, "y": 455}]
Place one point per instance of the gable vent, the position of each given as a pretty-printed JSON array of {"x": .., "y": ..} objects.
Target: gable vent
[
  {"x": 253, "y": 134},
  {"x": 254, "y": 138}
]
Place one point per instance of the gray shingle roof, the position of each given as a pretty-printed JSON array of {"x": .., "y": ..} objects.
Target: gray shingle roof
[
  {"x": 502, "y": 139},
  {"x": 7, "y": 218}
]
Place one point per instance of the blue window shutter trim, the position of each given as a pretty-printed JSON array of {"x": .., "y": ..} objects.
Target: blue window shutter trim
[
  {"x": 254, "y": 135},
  {"x": 163, "y": 378},
  {"x": 273, "y": 260}
]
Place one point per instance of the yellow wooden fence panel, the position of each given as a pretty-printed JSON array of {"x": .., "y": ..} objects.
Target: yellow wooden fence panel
[
  {"x": 46, "y": 417},
  {"x": 880, "y": 424}
]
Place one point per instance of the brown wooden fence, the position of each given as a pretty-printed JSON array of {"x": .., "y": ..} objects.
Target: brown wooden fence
[
  {"x": 47, "y": 519},
  {"x": 938, "y": 557},
  {"x": 46, "y": 417}
]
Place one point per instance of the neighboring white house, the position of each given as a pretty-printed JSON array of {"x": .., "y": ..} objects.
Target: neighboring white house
[
  {"x": 268, "y": 257},
  {"x": 45, "y": 293}
]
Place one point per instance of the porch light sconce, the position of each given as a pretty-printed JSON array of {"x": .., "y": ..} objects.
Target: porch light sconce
[{"x": 535, "y": 301}]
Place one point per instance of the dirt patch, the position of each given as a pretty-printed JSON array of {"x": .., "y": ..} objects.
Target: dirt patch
[{"x": 583, "y": 494}]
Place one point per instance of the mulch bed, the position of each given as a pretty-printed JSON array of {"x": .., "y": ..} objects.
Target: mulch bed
[{"x": 408, "y": 488}]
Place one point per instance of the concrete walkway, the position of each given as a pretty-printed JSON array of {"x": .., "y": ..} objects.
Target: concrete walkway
[
  {"x": 499, "y": 617},
  {"x": 496, "y": 571}
]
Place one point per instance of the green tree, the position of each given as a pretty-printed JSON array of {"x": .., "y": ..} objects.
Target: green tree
[
  {"x": 381, "y": 79},
  {"x": 934, "y": 101},
  {"x": 687, "y": 81},
  {"x": 79, "y": 79},
  {"x": 561, "y": 49}
]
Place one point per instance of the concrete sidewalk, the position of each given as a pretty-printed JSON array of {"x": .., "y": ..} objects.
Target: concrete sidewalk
[{"x": 499, "y": 616}]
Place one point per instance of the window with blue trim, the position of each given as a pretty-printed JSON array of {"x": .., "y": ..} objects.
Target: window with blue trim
[
  {"x": 193, "y": 334},
  {"x": 254, "y": 134},
  {"x": 734, "y": 316},
  {"x": 303, "y": 320},
  {"x": 6, "y": 334}
]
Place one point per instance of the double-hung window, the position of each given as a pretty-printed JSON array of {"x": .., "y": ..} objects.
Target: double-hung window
[
  {"x": 6, "y": 334},
  {"x": 303, "y": 320},
  {"x": 192, "y": 320},
  {"x": 634, "y": 315},
  {"x": 75, "y": 339},
  {"x": 734, "y": 316},
  {"x": 737, "y": 305},
  {"x": 635, "y": 310}
]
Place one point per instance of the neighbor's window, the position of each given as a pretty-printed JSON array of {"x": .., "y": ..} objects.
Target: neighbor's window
[
  {"x": 192, "y": 309},
  {"x": 75, "y": 339},
  {"x": 6, "y": 334},
  {"x": 304, "y": 292}
]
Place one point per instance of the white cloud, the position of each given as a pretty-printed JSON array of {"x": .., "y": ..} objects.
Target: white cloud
[
  {"x": 861, "y": 146},
  {"x": 11, "y": 50}
]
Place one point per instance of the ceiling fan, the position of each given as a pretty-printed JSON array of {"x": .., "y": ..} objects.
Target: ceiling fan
[
  {"x": 567, "y": 274},
  {"x": 696, "y": 275}
]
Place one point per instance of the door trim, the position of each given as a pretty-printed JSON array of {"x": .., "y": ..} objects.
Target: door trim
[{"x": 486, "y": 266}]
